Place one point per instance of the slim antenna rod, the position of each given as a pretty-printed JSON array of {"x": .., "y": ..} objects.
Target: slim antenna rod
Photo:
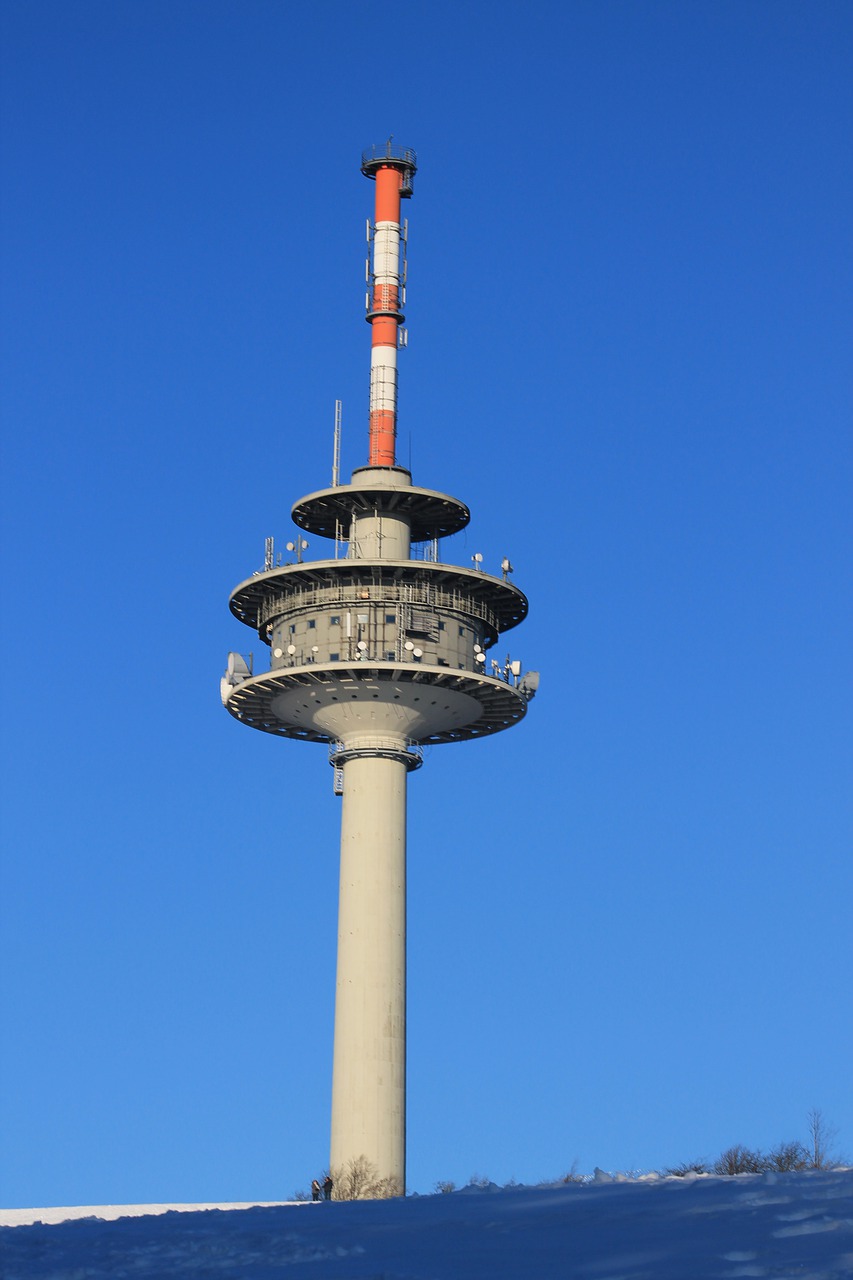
[{"x": 336, "y": 452}]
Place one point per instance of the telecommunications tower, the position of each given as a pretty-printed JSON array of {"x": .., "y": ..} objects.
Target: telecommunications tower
[{"x": 376, "y": 651}]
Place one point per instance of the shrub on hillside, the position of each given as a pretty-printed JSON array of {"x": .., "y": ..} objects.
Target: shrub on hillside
[
  {"x": 739, "y": 1159},
  {"x": 359, "y": 1179},
  {"x": 688, "y": 1166},
  {"x": 787, "y": 1157}
]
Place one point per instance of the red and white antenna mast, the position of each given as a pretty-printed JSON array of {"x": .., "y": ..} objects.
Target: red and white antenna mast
[{"x": 393, "y": 169}]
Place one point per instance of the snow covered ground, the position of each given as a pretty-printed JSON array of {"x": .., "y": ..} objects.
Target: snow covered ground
[{"x": 770, "y": 1225}]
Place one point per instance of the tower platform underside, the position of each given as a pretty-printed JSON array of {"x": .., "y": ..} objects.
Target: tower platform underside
[
  {"x": 422, "y": 704},
  {"x": 430, "y": 514}
]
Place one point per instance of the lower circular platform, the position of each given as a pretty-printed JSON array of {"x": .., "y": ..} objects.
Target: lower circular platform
[{"x": 329, "y": 703}]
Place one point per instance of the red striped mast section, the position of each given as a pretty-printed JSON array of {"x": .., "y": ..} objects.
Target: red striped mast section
[{"x": 392, "y": 168}]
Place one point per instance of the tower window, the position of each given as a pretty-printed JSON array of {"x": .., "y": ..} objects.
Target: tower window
[
  {"x": 334, "y": 657},
  {"x": 461, "y": 630},
  {"x": 335, "y": 620},
  {"x": 390, "y": 617},
  {"x": 312, "y": 623}
]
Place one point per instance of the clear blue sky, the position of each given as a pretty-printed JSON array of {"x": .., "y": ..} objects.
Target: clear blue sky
[{"x": 630, "y": 353}]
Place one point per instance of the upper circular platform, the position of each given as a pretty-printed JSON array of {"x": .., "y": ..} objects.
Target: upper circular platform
[
  {"x": 385, "y": 489},
  {"x": 386, "y": 153}
]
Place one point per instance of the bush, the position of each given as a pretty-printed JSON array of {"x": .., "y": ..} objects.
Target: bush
[
  {"x": 739, "y": 1159},
  {"x": 688, "y": 1166},
  {"x": 359, "y": 1180},
  {"x": 787, "y": 1157}
]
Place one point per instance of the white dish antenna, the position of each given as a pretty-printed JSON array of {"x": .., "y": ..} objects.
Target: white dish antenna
[
  {"x": 238, "y": 667},
  {"x": 236, "y": 671}
]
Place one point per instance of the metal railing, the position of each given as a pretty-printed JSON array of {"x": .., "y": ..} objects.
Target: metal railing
[
  {"x": 388, "y": 151},
  {"x": 300, "y": 599},
  {"x": 380, "y": 745}
]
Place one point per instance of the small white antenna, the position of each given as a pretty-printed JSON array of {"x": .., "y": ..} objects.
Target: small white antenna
[
  {"x": 269, "y": 554},
  {"x": 336, "y": 453}
]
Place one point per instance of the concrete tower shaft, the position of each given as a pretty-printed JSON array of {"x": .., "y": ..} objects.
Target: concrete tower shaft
[
  {"x": 376, "y": 652},
  {"x": 369, "y": 1068}
]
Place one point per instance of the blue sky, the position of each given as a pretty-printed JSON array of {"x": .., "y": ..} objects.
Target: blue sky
[{"x": 630, "y": 322}]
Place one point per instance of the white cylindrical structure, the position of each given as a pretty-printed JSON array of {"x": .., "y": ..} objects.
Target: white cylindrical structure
[{"x": 369, "y": 1073}]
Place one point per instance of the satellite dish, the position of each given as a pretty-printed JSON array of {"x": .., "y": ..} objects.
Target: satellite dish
[
  {"x": 362, "y": 644},
  {"x": 291, "y": 649},
  {"x": 277, "y": 653},
  {"x": 476, "y": 648},
  {"x": 479, "y": 657},
  {"x": 477, "y": 557},
  {"x": 238, "y": 667},
  {"x": 418, "y": 653},
  {"x": 225, "y": 687},
  {"x": 315, "y": 648},
  {"x": 408, "y": 645},
  {"x": 291, "y": 546}
]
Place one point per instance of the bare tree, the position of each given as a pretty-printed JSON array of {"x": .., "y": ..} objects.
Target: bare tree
[
  {"x": 445, "y": 1187},
  {"x": 821, "y": 1137}
]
